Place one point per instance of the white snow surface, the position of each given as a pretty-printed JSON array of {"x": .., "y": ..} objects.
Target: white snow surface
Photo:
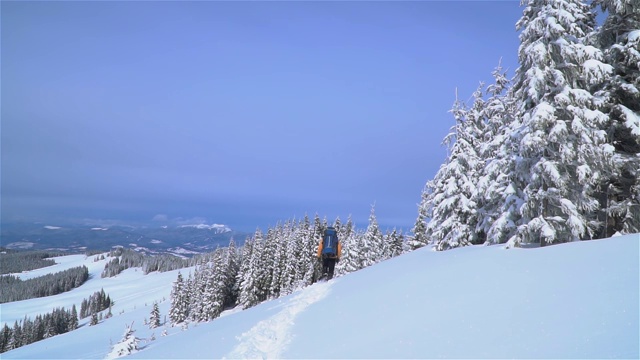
[
  {"x": 218, "y": 227},
  {"x": 575, "y": 300}
]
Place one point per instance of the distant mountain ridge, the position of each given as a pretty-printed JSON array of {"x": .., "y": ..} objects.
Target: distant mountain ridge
[{"x": 182, "y": 240}]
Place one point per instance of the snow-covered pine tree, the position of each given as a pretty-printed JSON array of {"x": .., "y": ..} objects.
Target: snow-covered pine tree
[
  {"x": 278, "y": 259},
  {"x": 563, "y": 153},
  {"x": 16, "y": 339},
  {"x": 216, "y": 285},
  {"x": 154, "y": 316},
  {"x": 244, "y": 268},
  {"x": 394, "y": 243},
  {"x": 200, "y": 306},
  {"x": 357, "y": 252},
  {"x": 450, "y": 203},
  {"x": 499, "y": 213},
  {"x": 232, "y": 262},
  {"x": 349, "y": 250},
  {"x": 267, "y": 262},
  {"x": 128, "y": 345},
  {"x": 306, "y": 262},
  {"x": 94, "y": 319},
  {"x": 251, "y": 292},
  {"x": 373, "y": 242},
  {"x": 419, "y": 237},
  {"x": 73, "y": 318},
  {"x": 619, "y": 37},
  {"x": 179, "y": 310},
  {"x": 292, "y": 250}
]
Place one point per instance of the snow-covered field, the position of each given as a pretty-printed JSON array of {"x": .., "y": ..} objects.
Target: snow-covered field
[{"x": 577, "y": 300}]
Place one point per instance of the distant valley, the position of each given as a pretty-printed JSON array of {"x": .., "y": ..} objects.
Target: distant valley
[{"x": 182, "y": 240}]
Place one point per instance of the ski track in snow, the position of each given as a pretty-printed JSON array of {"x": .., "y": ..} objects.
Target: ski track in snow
[{"x": 270, "y": 337}]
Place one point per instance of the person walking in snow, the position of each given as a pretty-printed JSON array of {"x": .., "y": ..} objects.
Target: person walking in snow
[{"x": 329, "y": 251}]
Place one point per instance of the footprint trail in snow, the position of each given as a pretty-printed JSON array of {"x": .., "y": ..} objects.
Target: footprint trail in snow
[{"x": 270, "y": 337}]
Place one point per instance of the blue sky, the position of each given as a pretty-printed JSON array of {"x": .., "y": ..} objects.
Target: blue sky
[{"x": 242, "y": 113}]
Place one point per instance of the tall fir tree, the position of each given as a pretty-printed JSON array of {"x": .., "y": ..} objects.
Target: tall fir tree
[
  {"x": 499, "y": 212},
  {"x": 562, "y": 149},
  {"x": 251, "y": 292},
  {"x": 619, "y": 37},
  {"x": 451, "y": 200},
  {"x": 179, "y": 311},
  {"x": 232, "y": 264}
]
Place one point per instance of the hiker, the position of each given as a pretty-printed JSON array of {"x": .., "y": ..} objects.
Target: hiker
[{"x": 329, "y": 252}]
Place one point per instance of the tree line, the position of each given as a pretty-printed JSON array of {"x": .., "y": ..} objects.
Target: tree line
[
  {"x": 553, "y": 154},
  {"x": 59, "y": 321},
  {"x": 127, "y": 258},
  {"x": 274, "y": 264},
  {"x": 28, "y": 331},
  {"x": 12, "y": 261},
  {"x": 15, "y": 289}
]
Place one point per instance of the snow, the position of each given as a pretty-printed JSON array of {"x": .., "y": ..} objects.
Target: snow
[
  {"x": 218, "y": 227},
  {"x": 596, "y": 70},
  {"x": 575, "y": 300},
  {"x": 181, "y": 251},
  {"x": 632, "y": 120},
  {"x": 20, "y": 245},
  {"x": 269, "y": 337}
]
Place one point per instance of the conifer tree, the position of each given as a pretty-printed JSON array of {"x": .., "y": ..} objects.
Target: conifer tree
[
  {"x": 394, "y": 243},
  {"x": 128, "y": 345},
  {"x": 346, "y": 236},
  {"x": 373, "y": 241},
  {"x": 5, "y": 336},
  {"x": 218, "y": 283},
  {"x": 244, "y": 268},
  {"x": 293, "y": 249},
  {"x": 154, "y": 317},
  {"x": 94, "y": 319},
  {"x": 499, "y": 212},
  {"x": 73, "y": 318},
  {"x": 231, "y": 271},
  {"x": 179, "y": 311},
  {"x": 563, "y": 153},
  {"x": 419, "y": 238},
  {"x": 451, "y": 200},
  {"x": 619, "y": 37},
  {"x": 250, "y": 292},
  {"x": 278, "y": 260}
]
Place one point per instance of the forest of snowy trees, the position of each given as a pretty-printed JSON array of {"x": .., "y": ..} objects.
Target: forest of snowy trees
[
  {"x": 553, "y": 154},
  {"x": 12, "y": 261},
  {"x": 15, "y": 289},
  {"x": 274, "y": 264},
  {"x": 57, "y": 322},
  {"x": 28, "y": 331}
]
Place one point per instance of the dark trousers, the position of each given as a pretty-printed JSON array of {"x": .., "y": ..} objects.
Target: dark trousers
[{"x": 328, "y": 265}]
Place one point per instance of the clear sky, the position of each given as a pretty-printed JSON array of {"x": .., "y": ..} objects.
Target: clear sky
[{"x": 241, "y": 113}]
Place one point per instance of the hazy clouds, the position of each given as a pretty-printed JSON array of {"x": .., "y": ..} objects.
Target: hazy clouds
[{"x": 242, "y": 113}]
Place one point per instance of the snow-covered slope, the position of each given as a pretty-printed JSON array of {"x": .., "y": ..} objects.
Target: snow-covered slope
[{"x": 577, "y": 300}]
